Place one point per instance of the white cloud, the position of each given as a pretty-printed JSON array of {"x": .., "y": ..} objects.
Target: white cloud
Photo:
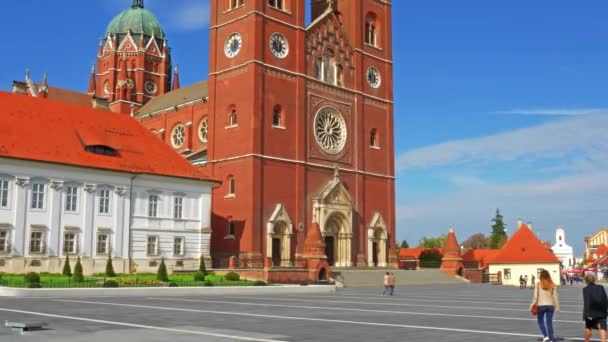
[
  {"x": 577, "y": 202},
  {"x": 191, "y": 16},
  {"x": 555, "y": 112},
  {"x": 575, "y": 139}
]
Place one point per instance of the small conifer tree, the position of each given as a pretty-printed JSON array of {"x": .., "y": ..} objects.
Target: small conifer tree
[
  {"x": 67, "y": 269},
  {"x": 109, "y": 267},
  {"x": 201, "y": 267},
  {"x": 77, "y": 277},
  {"x": 162, "y": 271}
]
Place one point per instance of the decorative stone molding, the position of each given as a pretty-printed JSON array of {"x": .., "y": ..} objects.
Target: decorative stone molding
[
  {"x": 120, "y": 191},
  {"x": 280, "y": 75},
  {"x": 22, "y": 181},
  {"x": 56, "y": 185},
  {"x": 375, "y": 103},
  {"x": 232, "y": 73},
  {"x": 90, "y": 188}
]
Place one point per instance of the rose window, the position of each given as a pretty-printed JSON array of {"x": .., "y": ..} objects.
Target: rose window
[
  {"x": 330, "y": 130},
  {"x": 178, "y": 136},
  {"x": 203, "y": 129}
]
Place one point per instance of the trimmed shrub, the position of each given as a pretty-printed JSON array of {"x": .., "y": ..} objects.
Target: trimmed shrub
[
  {"x": 67, "y": 269},
  {"x": 32, "y": 280},
  {"x": 199, "y": 276},
  {"x": 259, "y": 283},
  {"x": 110, "y": 283},
  {"x": 77, "y": 276},
  {"x": 201, "y": 267},
  {"x": 232, "y": 276},
  {"x": 162, "y": 271},
  {"x": 110, "y": 268}
]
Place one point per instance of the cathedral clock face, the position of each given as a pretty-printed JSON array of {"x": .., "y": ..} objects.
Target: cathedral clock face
[
  {"x": 233, "y": 45},
  {"x": 106, "y": 87},
  {"x": 278, "y": 45},
  {"x": 150, "y": 87},
  {"x": 130, "y": 83},
  {"x": 373, "y": 77}
]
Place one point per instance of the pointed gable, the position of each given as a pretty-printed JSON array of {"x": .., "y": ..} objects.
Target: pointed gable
[
  {"x": 152, "y": 48},
  {"x": 335, "y": 192},
  {"x": 128, "y": 44},
  {"x": 325, "y": 33},
  {"x": 523, "y": 248}
]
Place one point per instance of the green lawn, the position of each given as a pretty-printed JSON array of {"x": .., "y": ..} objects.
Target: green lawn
[{"x": 124, "y": 280}]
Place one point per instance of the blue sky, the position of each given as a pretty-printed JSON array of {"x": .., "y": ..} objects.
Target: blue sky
[{"x": 500, "y": 104}]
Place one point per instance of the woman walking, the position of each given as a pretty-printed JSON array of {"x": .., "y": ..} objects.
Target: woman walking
[{"x": 546, "y": 302}]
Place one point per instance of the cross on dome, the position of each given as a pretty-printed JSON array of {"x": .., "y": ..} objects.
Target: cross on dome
[{"x": 138, "y": 3}]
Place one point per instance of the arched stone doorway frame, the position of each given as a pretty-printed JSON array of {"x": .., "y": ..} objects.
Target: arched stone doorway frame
[
  {"x": 378, "y": 234},
  {"x": 279, "y": 226},
  {"x": 334, "y": 206}
]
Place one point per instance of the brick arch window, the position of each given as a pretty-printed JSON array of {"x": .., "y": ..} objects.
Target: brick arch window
[
  {"x": 278, "y": 117},
  {"x": 371, "y": 29},
  {"x": 277, "y": 4},
  {"x": 232, "y": 118},
  {"x": 230, "y": 227},
  {"x": 327, "y": 66},
  {"x": 231, "y": 186},
  {"x": 319, "y": 68},
  {"x": 373, "y": 138},
  {"x": 338, "y": 75}
]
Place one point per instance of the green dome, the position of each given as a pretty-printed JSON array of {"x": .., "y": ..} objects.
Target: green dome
[{"x": 136, "y": 18}]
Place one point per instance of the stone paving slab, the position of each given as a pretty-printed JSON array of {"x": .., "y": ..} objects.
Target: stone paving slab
[{"x": 433, "y": 313}]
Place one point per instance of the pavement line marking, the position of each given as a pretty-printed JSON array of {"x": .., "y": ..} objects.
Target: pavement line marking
[
  {"x": 324, "y": 320},
  {"x": 397, "y": 304},
  {"x": 392, "y": 299},
  {"x": 133, "y": 325},
  {"x": 403, "y": 293},
  {"x": 353, "y": 309}
]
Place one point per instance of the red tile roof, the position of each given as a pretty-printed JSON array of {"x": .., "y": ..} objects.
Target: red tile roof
[
  {"x": 414, "y": 253},
  {"x": 522, "y": 248},
  {"x": 480, "y": 255},
  {"x": 49, "y": 131}
]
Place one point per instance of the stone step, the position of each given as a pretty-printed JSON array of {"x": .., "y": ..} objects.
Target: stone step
[{"x": 368, "y": 278}]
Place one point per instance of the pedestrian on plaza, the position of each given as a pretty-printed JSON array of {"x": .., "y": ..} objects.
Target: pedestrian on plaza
[
  {"x": 532, "y": 282},
  {"x": 595, "y": 308},
  {"x": 546, "y": 302},
  {"x": 391, "y": 283},
  {"x": 571, "y": 280},
  {"x": 521, "y": 282},
  {"x": 526, "y": 281},
  {"x": 386, "y": 283}
]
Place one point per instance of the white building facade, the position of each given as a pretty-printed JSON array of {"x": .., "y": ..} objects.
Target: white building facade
[
  {"x": 49, "y": 210},
  {"x": 563, "y": 251}
]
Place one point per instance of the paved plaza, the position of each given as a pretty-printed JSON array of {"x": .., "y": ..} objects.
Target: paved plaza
[{"x": 431, "y": 313}]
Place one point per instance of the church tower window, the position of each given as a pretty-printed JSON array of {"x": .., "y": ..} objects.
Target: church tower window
[
  {"x": 277, "y": 117},
  {"x": 232, "y": 118},
  {"x": 235, "y": 3},
  {"x": 231, "y": 187},
  {"x": 370, "y": 29},
  {"x": 339, "y": 75},
  {"x": 373, "y": 138},
  {"x": 276, "y": 4},
  {"x": 327, "y": 70}
]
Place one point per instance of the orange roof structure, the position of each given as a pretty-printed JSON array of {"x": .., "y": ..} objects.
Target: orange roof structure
[
  {"x": 55, "y": 132},
  {"x": 523, "y": 248},
  {"x": 452, "y": 261},
  {"x": 479, "y": 255}
]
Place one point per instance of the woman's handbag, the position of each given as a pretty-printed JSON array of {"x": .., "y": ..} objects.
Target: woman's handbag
[{"x": 534, "y": 309}]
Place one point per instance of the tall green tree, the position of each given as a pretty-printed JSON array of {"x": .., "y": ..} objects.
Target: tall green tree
[
  {"x": 436, "y": 242},
  {"x": 110, "y": 267},
  {"x": 162, "y": 271},
  {"x": 498, "y": 237},
  {"x": 77, "y": 276},
  {"x": 404, "y": 244}
]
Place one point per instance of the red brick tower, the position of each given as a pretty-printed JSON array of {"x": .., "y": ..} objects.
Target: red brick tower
[
  {"x": 452, "y": 260},
  {"x": 301, "y": 131},
  {"x": 314, "y": 255},
  {"x": 133, "y": 62}
]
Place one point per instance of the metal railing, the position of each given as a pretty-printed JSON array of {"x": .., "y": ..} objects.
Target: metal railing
[{"x": 123, "y": 282}]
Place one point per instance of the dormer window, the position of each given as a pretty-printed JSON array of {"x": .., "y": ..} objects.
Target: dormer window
[
  {"x": 101, "y": 149},
  {"x": 278, "y": 4}
]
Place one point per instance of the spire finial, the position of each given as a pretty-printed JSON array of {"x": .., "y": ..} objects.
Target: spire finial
[
  {"x": 27, "y": 74},
  {"x": 138, "y": 4},
  {"x": 336, "y": 171},
  {"x": 451, "y": 229}
]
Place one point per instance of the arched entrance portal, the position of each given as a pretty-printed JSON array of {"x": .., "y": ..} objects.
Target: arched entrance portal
[
  {"x": 278, "y": 242},
  {"x": 377, "y": 236},
  {"x": 338, "y": 240}
]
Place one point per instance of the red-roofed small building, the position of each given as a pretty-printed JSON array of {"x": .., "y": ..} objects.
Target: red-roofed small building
[
  {"x": 524, "y": 254},
  {"x": 82, "y": 182}
]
